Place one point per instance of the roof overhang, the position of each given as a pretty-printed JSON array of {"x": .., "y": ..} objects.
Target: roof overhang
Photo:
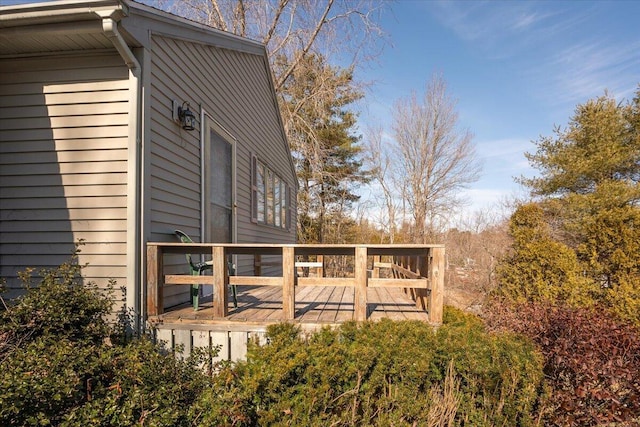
[
  {"x": 57, "y": 11},
  {"x": 58, "y": 26},
  {"x": 76, "y": 25}
]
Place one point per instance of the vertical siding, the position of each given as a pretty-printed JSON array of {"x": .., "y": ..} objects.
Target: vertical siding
[
  {"x": 63, "y": 164},
  {"x": 234, "y": 88}
]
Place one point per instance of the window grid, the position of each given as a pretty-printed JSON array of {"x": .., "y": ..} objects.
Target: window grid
[{"x": 270, "y": 197}]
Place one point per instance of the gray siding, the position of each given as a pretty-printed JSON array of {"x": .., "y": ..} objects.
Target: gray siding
[
  {"x": 63, "y": 165},
  {"x": 233, "y": 87}
]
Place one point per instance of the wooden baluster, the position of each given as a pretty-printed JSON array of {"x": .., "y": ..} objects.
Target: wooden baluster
[
  {"x": 422, "y": 269},
  {"x": 376, "y": 269},
  {"x": 412, "y": 262},
  {"x": 257, "y": 265},
  {"x": 320, "y": 270}
]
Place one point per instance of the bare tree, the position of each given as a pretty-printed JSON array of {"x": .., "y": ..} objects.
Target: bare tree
[
  {"x": 379, "y": 161},
  {"x": 294, "y": 29},
  {"x": 436, "y": 158},
  {"x": 473, "y": 252}
]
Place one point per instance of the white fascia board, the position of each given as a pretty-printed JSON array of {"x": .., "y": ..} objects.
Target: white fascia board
[{"x": 58, "y": 11}]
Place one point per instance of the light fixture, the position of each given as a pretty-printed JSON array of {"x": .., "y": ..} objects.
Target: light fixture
[{"x": 186, "y": 117}]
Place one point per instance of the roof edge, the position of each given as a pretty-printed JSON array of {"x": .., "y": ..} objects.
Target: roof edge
[
  {"x": 233, "y": 41},
  {"x": 59, "y": 11},
  {"x": 33, "y": 13}
]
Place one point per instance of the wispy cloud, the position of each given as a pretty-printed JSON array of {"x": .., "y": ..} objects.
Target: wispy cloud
[
  {"x": 507, "y": 161},
  {"x": 503, "y": 148},
  {"x": 526, "y": 20},
  {"x": 564, "y": 52},
  {"x": 502, "y": 30},
  {"x": 587, "y": 69}
]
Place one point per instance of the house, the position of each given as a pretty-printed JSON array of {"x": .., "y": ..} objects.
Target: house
[{"x": 120, "y": 123}]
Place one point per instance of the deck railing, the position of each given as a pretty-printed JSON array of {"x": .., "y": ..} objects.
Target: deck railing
[{"x": 419, "y": 269}]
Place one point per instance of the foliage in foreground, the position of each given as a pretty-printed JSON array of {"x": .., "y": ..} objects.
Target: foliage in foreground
[
  {"x": 61, "y": 363},
  {"x": 592, "y": 361},
  {"x": 383, "y": 373}
]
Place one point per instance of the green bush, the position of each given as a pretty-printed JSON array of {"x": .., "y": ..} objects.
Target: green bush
[
  {"x": 59, "y": 307},
  {"x": 62, "y": 363},
  {"x": 588, "y": 183},
  {"x": 139, "y": 385},
  {"x": 540, "y": 268},
  {"x": 382, "y": 373}
]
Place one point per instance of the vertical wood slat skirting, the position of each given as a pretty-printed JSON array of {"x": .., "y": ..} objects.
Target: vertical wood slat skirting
[{"x": 229, "y": 345}]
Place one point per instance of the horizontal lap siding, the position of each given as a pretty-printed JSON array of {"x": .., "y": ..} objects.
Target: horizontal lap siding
[
  {"x": 63, "y": 166},
  {"x": 233, "y": 87}
]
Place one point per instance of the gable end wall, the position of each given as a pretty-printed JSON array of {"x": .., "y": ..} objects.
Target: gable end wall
[{"x": 233, "y": 88}]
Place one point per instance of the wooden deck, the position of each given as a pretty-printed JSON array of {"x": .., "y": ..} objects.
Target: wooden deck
[
  {"x": 400, "y": 282},
  {"x": 315, "y": 306}
]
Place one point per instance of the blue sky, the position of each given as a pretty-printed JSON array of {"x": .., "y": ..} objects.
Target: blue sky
[{"x": 516, "y": 69}]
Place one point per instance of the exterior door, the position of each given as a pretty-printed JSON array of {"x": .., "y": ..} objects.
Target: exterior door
[{"x": 219, "y": 185}]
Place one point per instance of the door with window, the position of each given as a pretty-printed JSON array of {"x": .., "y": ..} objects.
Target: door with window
[{"x": 219, "y": 184}]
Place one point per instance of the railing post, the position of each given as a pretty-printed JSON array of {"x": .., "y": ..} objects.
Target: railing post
[
  {"x": 155, "y": 281},
  {"x": 220, "y": 282},
  {"x": 395, "y": 260},
  {"x": 436, "y": 297},
  {"x": 360, "y": 292},
  {"x": 288, "y": 283}
]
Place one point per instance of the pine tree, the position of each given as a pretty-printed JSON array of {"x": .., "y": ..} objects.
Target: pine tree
[
  {"x": 326, "y": 152},
  {"x": 589, "y": 185}
]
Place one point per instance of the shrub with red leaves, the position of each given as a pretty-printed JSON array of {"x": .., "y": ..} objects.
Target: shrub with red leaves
[{"x": 592, "y": 361}]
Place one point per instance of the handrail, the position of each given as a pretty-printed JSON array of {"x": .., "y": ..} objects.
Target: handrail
[{"x": 417, "y": 268}]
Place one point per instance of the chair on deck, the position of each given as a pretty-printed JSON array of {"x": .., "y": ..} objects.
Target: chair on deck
[{"x": 197, "y": 268}]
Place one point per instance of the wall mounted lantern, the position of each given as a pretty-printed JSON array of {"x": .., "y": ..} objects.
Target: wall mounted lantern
[{"x": 186, "y": 117}]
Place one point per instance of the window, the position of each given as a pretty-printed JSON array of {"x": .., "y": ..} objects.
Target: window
[{"x": 269, "y": 197}]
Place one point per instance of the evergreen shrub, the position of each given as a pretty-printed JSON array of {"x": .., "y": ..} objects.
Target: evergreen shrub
[
  {"x": 381, "y": 373},
  {"x": 62, "y": 363}
]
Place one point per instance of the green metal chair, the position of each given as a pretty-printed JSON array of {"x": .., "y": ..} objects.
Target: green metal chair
[{"x": 197, "y": 268}]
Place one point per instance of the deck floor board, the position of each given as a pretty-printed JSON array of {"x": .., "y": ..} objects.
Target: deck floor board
[{"x": 314, "y": 305}]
